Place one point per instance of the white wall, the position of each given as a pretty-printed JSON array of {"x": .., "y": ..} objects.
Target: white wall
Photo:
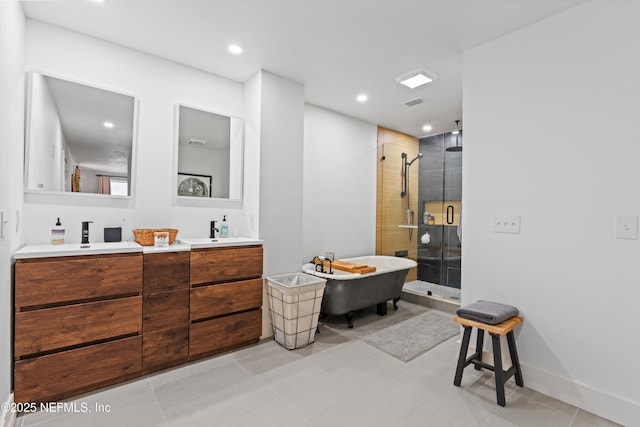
[
  {"x": 158, "y": 85},
  {"x": 550, "y": 135},
  {"x": 339, "y": 184},
  {"x": 281, "y": 174},
  {"x": 203, "y": 161},
  {"x": 45, "y": 139},
  {"x": 12, "y": 40}
]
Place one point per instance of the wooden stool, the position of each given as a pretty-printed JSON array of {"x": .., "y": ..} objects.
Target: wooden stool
[{"x": 504, "y": 328}]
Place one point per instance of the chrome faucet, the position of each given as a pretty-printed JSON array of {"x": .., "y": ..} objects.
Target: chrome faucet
[{"x": 85, "y": 232}]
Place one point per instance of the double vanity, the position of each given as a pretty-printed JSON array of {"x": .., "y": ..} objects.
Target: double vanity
[{"x": 90, "y": 317}]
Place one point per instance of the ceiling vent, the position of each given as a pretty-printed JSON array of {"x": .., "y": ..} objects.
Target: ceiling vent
[
  {"x": 414, "y": 101},
  {"x": 194, "y": 141}
]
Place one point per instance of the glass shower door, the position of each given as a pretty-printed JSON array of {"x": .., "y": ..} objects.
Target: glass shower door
[
  {"x": 452, "y": 196},
  {"x": 440, "y": 193}
]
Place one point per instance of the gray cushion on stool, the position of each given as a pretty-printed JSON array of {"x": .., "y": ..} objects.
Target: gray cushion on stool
[{"x": 488, "y": 312}]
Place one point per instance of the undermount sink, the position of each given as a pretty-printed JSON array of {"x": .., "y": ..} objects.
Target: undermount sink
[{"x": 207, "y": 242}]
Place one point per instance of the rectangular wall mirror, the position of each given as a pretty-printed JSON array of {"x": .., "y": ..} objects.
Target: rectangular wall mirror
[
  {"x": 79, "y": 138},
  {"x": 210, "y": 155}
]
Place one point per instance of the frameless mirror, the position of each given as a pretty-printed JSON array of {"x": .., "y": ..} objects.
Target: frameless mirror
[
  {"x": 210, "y": 157},
  {"x": 79, "y": 138}
]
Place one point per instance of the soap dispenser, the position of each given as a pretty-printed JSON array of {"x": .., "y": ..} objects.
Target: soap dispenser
[
  {"x": 57, "y": 234},
  {"x": 224, "y": 228}
]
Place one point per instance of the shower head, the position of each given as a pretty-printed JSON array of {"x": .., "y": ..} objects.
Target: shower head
[
  {"x": 455, "y": 148},
  {"x": 419, "y": 156}
]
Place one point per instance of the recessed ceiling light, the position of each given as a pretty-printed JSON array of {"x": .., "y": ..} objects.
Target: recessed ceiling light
[
  {"x": 108, "y": 125},
  {"x": 362, "y": 98},
  {"x": 416, "y": 78},
  {"x": 235, "y": 49},
  {"x": 427, "y": 128}
]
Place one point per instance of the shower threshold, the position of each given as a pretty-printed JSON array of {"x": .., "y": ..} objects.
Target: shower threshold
[{"x": 432, "y": 295}]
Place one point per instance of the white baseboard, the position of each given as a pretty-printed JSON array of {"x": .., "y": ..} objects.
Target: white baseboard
[
  {"x": 614, "y": 408},
  {"x": 8, "y": 417}
]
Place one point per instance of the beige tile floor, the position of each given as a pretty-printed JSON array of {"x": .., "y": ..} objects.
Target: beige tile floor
[{"x": 336, "y": 381}]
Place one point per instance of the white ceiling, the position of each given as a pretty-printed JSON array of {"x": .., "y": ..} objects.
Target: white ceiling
[
  {"x": 83, "y": 110},
  {"x": 336, "y": 48}
]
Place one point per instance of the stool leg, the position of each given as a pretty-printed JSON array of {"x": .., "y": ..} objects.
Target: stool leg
[
  {"x": 479, "y": 345},
  {"x": 497, "y": 367},
  {"x": 463, "y": 355},
  {"x": 514, "y": 358}
]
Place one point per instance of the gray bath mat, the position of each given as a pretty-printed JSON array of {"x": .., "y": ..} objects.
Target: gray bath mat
[{"x": 412, "y": 337}]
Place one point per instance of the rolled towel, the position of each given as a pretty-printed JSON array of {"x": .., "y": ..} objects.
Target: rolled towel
[
  {"x": 425, "y": 239},
  {"x": 487, "y": 312}
]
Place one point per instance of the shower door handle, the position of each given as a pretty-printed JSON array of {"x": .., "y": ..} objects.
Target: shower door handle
[{"x": 450, "y": 214}]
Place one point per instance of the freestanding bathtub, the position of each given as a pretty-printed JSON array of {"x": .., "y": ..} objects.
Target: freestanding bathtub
[{"x": 346, "y": 292}]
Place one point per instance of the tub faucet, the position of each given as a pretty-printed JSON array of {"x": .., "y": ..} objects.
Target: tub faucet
[
  {"x": 319, "y": 263},
  {"x": 85, "y": 232},
  {"x": 213, "y": 229}
]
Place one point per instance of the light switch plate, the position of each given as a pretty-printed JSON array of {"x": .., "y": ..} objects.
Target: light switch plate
[
  {"x": 506, "y": 224},
  {"x": 627, "y": 227}
]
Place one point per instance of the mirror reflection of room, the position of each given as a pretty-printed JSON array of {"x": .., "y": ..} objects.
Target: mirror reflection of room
[
  {"x": 79, "y": 138},
  {"x": 209, "y": 154}
]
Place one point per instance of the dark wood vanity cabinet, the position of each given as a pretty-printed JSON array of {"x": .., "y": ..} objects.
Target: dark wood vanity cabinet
[
  {"x": 165, "y": 310},
  {"x": 78, "y": 324},
  {"x": 85, "y": 322},
  {"x": 225, "y": 299}
]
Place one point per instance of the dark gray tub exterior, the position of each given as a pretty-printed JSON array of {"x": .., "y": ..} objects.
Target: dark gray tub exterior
[{"x": 343, "y": 296}]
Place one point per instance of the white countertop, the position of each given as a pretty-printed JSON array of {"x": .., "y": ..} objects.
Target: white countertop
[
  {"x": 206, "y": 242},
  {"x": 97, "y": 248},
  {"x": 75, "y": 249}
]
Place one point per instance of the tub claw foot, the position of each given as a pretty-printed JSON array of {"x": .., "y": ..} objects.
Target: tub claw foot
[
  {"x": 395, "y": 303},
  {"x": 381, "y": 309},
  {"x": 349, "y": 317}
]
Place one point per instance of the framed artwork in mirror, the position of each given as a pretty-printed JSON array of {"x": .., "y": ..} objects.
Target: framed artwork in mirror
[{"x": 194, "y": 185}]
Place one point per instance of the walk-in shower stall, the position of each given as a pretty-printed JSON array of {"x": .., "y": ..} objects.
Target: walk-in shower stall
[
  {"x": 419, "y": 207},
  {"x": 439, "y": 243}
]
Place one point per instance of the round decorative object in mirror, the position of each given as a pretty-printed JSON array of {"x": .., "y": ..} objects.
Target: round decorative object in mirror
[
  {"x": 210, "y": 154},
  {"x": 194, "y": 186}
]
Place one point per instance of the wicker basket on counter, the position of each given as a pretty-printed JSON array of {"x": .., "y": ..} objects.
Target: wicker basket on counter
[{"x": 144, "y": 236}]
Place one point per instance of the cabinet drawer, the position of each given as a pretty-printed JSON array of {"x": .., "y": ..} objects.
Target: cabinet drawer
[
  {"x": 225, "y": 332},
  {"x": 163, "y": 347},
  {"x": 166, "y": 271},
  {"x": 63, "y": 374},
  {"x": 56, "y": 280},
  {"x": 225, "y": 298},
  {"x": 164, "y": 310},
  {"x": 224, "y": 264},
  {"x": 52, "y": 328}
]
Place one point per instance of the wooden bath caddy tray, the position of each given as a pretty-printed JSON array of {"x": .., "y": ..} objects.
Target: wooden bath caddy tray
[{"x": 347, "y": 266}]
